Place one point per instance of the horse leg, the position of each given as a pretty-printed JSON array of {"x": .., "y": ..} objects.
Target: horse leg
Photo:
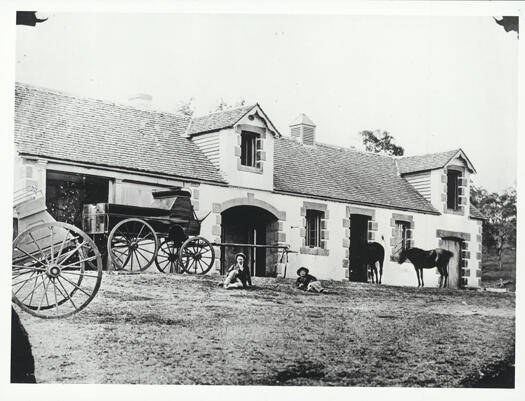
[
  {"x": 442, "y": 273},
  {"x": 417, "y": 274},
  {"x": 375, "y": 270},
  {"x": 422, "y": 283},
  {"x": 380, "y": 271}
]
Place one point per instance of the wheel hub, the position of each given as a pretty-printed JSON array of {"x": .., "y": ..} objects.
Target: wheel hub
[{"x": 53, "y": 270}]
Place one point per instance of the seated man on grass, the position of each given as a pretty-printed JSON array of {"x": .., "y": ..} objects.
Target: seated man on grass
[
  {"x": 307, "y": 282},
  {"x": 238, "y": 275}
]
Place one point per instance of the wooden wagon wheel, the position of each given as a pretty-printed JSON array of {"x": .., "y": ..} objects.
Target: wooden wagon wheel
[
  {"x": 56, "y": 270},
  {"x": 196, "y": 255},
  {"x": 132, "y": 245},
  {"x": 167, "y": 260}
]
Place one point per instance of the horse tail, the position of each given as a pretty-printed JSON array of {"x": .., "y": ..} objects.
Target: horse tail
[
  {"x": 382, "y": 255},
  {"x": 443, "y": 257}
]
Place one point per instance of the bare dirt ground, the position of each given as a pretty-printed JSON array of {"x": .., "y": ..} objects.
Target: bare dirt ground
[{"x": 173, "y": 329}]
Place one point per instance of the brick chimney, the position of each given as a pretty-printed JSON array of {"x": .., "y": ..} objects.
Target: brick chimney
[{"x": 303, "y": 129}]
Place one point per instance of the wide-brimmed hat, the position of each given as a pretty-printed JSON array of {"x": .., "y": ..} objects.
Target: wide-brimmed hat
[
  {"x": 240, "y": 254},
  {"x": 302, "y": 268}
]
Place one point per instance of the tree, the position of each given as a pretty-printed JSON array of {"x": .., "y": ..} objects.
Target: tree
[
  {"x": 379, "y": 141},
  {"x": 225, "y": 106},
  {"x": 186, "y": 107},
  {"x": 499, "y": 228}
]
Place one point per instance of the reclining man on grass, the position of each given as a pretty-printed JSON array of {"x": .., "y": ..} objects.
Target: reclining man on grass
[{"x": 238, "y": 275}]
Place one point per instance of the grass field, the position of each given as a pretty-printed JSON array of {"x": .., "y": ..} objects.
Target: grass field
[
  {"x": 173, "y": 329},
  {"x": 491, "y": 273}
]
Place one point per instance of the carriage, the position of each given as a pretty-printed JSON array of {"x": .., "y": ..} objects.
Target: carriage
[
  {"x": 56, "y": 267},
  {"x": 135, "y": 237}
]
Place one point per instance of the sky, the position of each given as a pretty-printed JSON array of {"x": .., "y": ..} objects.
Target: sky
[{"x": 435, "y": 83}]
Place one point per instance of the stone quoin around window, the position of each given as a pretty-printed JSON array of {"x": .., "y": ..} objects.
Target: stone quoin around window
[
  {"x": 313, "y": 232},
  {"x": 402, "y": 236},
  {"x": 249, "y": 151},
  {"x": 454, "y": 194}
]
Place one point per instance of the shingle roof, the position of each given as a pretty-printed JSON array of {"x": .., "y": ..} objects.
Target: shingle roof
[
  {"x": 411, "y": 164},
  {"x": 475, "y": 213},
  {"x": 343, "y": 174},
  {"x": 219, "y": 120},
  {"x": 60, "y": 126}
]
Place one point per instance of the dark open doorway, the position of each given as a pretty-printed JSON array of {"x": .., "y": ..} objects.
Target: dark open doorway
[
  {"x": 66, "y": 194},
  {"x": 249, "y": 225},
  {"x": 358, "y": 242}
]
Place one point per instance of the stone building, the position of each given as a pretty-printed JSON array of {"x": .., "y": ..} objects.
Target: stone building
[{"x": 259, "y": 185}]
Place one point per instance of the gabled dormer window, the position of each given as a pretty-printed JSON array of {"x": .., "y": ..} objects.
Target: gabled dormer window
[
  {"x": 248, "y": 148},
  {"x": 453, "y": 177}
]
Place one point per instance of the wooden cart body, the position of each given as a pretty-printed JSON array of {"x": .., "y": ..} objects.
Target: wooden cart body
[{"x": 137, "y": 236}]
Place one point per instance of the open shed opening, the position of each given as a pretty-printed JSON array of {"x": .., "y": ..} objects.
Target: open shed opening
[{"x": 249, "y": 225}]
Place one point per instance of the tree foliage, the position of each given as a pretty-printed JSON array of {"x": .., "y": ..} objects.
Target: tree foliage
[
  {"x": 226, "y": 106},
  {"x": 186, "y": 107},
  {"x": 380, "y": 141},
  {"x": 66, "y": 205},
  {"x": 499, "y": 228}
]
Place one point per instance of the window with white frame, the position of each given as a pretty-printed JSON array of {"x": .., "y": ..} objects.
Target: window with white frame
[
  {"x": 402, "y": 237},
  {"x": 313, "y": 228}
]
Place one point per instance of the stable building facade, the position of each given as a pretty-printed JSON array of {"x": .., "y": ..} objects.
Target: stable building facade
[{"x": 255, "y": 184}]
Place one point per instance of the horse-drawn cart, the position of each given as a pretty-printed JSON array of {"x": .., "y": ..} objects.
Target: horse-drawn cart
[
  {"x": 57, "y": 268},
  {"x": 167, "y": 234}
]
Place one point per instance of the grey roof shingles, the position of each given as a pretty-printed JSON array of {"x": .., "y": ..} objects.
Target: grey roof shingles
[
  {"x": 411, "y": 164},
  {"x": 344, "y": 174},
  {"x": 217, "y": 121},
  {"x": 59, "y": 126}
]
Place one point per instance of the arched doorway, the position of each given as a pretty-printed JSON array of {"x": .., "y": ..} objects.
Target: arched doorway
[{"x": 250, "y": 225}]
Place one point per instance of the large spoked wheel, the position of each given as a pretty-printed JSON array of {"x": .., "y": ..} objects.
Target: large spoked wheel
[
  {"x": 56, "y": 270},
  {"x": 196, "y": 256},
  {"x": 132, "y": 245},
  {"x": 167, "y": 260}
]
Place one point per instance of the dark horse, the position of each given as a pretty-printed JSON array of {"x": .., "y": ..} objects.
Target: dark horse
[
  {"x": 375, "y": 253},
  {"x": 422, "y": 259}
]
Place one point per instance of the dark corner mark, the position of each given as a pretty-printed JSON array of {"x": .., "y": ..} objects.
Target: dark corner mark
[
  {"x": 28, "y": 18},
  {"x": 509, "y": 23},
  {"x": 22, "y": 360}
]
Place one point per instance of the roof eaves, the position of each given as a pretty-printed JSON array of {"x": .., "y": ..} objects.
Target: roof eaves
[
  {"x": 242, "y": 116},
  {"x": 371, "y": 204},
  {"x": 123, "y": 169},
  {"x": 477, "y": 217},
  {"x": 469, "y": 163},
  {"x": 419, "y": 171},
  {"x": 266, "y": 116}
]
